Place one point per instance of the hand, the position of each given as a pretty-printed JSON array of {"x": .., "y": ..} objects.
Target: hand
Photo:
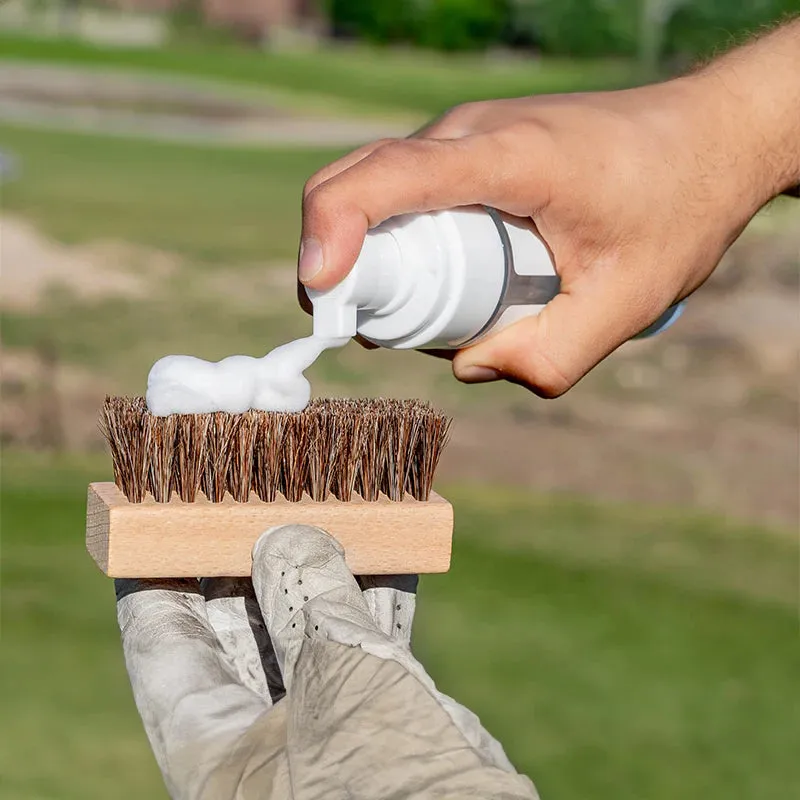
[
  {"x": 298, "y": 685},
  {"x": 637, "y": 194}
]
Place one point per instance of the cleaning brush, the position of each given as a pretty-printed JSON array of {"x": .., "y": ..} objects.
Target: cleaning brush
[{"x": 192, "y": 492}]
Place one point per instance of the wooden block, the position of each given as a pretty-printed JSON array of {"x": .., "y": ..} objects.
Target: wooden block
[{"x": 204, "y": 539}]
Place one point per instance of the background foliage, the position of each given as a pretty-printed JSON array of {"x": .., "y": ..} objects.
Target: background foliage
[{"x": 556, "y": 27}]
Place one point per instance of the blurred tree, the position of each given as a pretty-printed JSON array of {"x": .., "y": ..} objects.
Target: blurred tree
[
  {"x": 523, "y": 29},
  {"x": 461, "y": 24},
  {"x": 380, "y": 21},
  {"x": 700, "y": 27},
  {"x": 440, "y": 24},
  {"x": 575, "y": 27},
  {"x": 651, "y": 29}
]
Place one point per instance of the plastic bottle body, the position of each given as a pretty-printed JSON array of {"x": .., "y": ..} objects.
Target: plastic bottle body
[{"x": 443, "y": 280}]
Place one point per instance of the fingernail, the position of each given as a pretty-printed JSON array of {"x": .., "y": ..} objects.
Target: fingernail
[
  {"x": 475, "y": 374},
  {"x": 309, "y": 262}
]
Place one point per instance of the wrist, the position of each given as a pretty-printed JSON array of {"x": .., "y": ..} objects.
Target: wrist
[
  {"x": 710, "y": 142},
  {"x": 752, "y": 96}
]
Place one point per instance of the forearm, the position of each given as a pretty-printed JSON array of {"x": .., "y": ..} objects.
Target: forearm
[{"x": 755, "y": 92}]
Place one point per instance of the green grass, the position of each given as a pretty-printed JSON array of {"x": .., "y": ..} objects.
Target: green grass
[
  {"x": 230, "y": 215},
  {"x": 211, "y": 203},
  {"x": 400, "y": 80},
  {"x": 214, "y": 207},
  {"x": 93, "y": 335},
  {"x": 639, "y": 665}
]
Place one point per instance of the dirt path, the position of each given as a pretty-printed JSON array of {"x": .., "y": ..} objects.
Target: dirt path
[
  {"x": 132, "y": 104},
  {"x": 739, "y": 469},
  {"x": 32, "y": 265}
]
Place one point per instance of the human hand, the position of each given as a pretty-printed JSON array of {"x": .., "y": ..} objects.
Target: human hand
[
  {"x": 637, "y": 194},
  {"x": 298, "y": 685}
]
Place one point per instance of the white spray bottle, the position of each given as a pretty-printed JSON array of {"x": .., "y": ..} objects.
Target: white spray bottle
[{"x": 443, "y": 280}]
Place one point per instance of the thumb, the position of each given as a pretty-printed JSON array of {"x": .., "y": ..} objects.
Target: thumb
[{"x": 551, "y": 352}]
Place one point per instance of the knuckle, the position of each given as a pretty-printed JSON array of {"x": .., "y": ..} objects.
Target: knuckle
[
  {"x": 535, "y": 366},
  {"x": 546, "y": 382},
  {"x": 465, "y": 113},
  {"x": 388, "y": 148},
  {"x": 522, "y": 132},
  {"x": 387, "y": 141},
  {"x": 542, "y": 376},
  {"x": 457, "y": 121},
  {"x": 311, "y": 184},
  {"x": 397, "y": 154},
  {"x": 549, "y": 387},
  {"x": 319, "y": 201},
  {"x": 520, "y": 143}
]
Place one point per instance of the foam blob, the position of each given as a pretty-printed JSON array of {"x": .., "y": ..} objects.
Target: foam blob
[{"x": 189, "y": 385}]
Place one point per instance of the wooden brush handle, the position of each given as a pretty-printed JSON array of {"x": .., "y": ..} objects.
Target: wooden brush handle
[{"x": 204, "y": 539}]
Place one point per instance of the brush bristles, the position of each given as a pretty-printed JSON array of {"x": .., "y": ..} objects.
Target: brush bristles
[{"x": 334, "y": 448}]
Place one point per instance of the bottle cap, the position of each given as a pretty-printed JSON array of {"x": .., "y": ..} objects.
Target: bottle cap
[{"x": 420, "y": 280}]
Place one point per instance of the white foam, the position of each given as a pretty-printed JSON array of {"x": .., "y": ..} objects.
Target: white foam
[{"x": 189, "y": 385}]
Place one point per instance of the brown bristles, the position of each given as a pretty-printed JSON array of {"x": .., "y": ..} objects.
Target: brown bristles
[
  {"x": 240, "y": 470},
  {"x": 163, "y": 431},
  {"x": 267, "y": 461},
  {"x": 128, "y": 429},
  {"x": 334, "y": 448},
  {"x": 220, "y": 441},
  {"x": 189, "y": 468}
]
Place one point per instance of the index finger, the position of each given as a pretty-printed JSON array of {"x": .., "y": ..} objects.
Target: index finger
[{"x": 410, "y": 175}]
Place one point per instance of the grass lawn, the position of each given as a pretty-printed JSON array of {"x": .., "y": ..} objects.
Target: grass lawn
[
  {"x": 233, "y": 215},
  {"x": 213, "y": 203},
  {"x": 658, "y": 660},
  {"x": 385, "y": 79},
  {"x": 213, "y": 207}
]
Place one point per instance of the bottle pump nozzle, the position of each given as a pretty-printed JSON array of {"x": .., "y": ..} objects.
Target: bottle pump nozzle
[{"x": 377, "y": 283}]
